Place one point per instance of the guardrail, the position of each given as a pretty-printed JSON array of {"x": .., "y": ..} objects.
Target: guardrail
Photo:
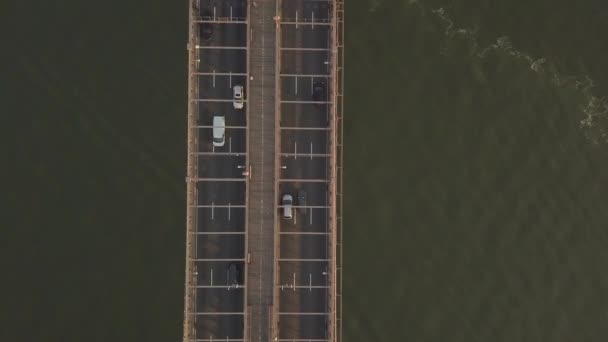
[
  {"x": 337, "y": 36},
  {"x": 189, "y": 328}
]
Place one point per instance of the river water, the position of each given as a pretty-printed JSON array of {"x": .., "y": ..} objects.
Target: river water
[{"x": 476, "y": 171}]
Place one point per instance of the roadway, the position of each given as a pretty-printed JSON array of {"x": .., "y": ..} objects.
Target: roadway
[
  {"x": 279, "y": 143},
  {"x": 221, "y": 188},
  {"x": 303, "y": 259}
]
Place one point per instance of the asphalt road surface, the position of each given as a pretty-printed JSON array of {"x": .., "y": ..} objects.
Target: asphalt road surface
[
  {"x": 305, "y": 170},
  {"x": 215, "y": 253}
]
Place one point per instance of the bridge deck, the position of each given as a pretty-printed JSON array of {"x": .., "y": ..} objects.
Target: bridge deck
[{"x": 252, "y": 275}]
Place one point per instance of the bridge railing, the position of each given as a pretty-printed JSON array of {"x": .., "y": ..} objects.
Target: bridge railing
[
  {"x": 189, "y": 327},
  {"x": 340, "y": 157},
  {"x": 336, "y": 170}
]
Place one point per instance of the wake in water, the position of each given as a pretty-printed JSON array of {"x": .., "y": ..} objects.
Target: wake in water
[{"x": 593, "y": 111}]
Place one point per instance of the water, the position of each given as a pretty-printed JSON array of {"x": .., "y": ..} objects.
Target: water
[
  {"x": 476, "y": 189},
  {"x": 477, "y": 200},
  {"x": 96, "y": 114}
]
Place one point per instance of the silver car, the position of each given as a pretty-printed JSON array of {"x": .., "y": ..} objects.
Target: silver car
[
  {"x": 287, "y": 206},
  {"x": 238, "y": 96}
]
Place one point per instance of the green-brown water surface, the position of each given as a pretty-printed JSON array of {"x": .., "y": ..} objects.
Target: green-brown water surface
[{"x": 476, "y": 200}]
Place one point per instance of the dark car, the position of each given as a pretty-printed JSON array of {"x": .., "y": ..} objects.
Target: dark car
[
  {"x": 302, "y": 199},
  {"x": 318, "y": 91},
  {"x": 234, "y": 274},
  {"x": 206, "y": 28}
]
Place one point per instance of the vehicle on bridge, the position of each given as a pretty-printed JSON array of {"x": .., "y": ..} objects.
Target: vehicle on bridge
[
  {"x": 287, "y": 206},
  {"x": 318, "y": 91},
  {"x": 219, "y": 131},
  {"x": 238, "y": 97},
  {"x": 302, "y": 199},
  {"x": 234, "y": 275},
  {"x": 206, "y": 28}
]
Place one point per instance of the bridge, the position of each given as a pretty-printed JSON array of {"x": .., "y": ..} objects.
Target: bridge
[{"x": 253, "y": 273}]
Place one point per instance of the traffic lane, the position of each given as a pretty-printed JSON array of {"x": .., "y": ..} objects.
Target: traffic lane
[
  {"x": 223, "y": 60},
  {"x": 213, "y": 273},
  {"x": 306, "y": 219},
  {"x": 304, "y": 246},
  {"x": 216, "y": 220},
  {"x": 233, "y": 116},
  {"x": 221, "y": 193},
  {"x": 221, "y": 166},
  {"x": 305, "y": 62},
  {"x": 304, "y": 142},
  {"x": 305, "y": 214},
  {"x": 220, "y": 247},
  {"x": 223, "y": 9},
  {"x": 224, "y": 214},
  {"x": 220, "y": 300},
  {"x": 316, "y": 193},
  {"x": 305, "y": 36},
  {"x": 222, "y": 34},
  {"x": 303, "y": 300},
  {"x": 306, "y": 10},
  {"x": 305, "y": 327},
  {"x": 220, "y": 326},
  {"x": 306, "y": 272},
  {"x": 234, "y": 141},
  {"x": 303, "y": 219},
  {"x": 219, "y": 87},
  {"x": 304, "y": 115},
  {"x": 304, "y": 168},
  {"x": 303, "y": 89}
]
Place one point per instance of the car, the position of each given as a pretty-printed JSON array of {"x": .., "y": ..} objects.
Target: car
[
  {"x": 287, "y": 206},
  {"x": 237, "y": 96},
  {"x": 318, "y": 91},
  {"x": 219, "y": 131},
  {"x": 206, "y": 28},
  {"x": 234, "y": 275},
  {"x": 302, "y": 199}
]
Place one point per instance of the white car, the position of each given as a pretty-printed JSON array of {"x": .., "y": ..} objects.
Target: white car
[
  {"x": 219, "y": 131},
  {"x": 238, "y": 96}
]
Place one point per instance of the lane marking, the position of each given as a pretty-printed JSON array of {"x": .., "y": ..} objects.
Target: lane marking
[
  {"x": 310, "y": 224},
  {"x": 312, "y": 81},
  {"x": 311, "y": 150}
]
